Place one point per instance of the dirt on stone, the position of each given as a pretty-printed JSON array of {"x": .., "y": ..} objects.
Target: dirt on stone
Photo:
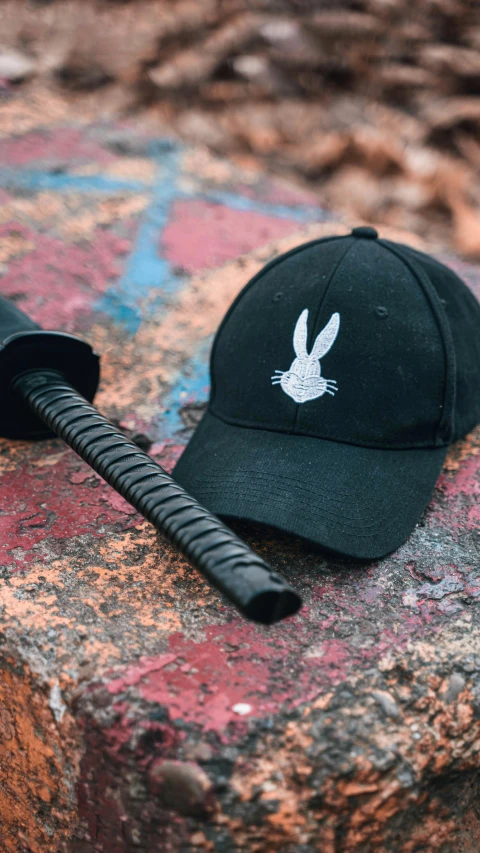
[{"x": 373, "y": 104}]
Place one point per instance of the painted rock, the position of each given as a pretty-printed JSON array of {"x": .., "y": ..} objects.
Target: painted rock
[{"x": 138, "y": 711}]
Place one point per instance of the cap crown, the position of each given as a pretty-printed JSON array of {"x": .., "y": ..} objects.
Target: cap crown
[{"x": 368, "y": 342}]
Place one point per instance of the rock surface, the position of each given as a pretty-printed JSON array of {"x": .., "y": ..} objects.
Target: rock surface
[{"x": 138, "y": 711}]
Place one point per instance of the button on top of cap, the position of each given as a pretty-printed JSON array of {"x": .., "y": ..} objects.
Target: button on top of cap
[{"x": 365, "y": 231}]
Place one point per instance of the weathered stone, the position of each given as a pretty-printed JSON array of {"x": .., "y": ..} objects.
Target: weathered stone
[
  {"x": 183, "y": 787},
  {"x": 138, "y": 711}
]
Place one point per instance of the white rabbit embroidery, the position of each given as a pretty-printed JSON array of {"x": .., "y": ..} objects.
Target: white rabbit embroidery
[{"x": 304, "y": 381}]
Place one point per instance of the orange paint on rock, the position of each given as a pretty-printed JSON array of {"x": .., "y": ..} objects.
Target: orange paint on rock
[
  {"x": 38, "y": 761},
  {"x": 41, "y": 598},
  {"x": 12, "y": 454}
]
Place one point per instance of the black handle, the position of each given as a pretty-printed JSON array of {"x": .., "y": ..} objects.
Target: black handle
[
  {"x": 213, "y": 549},
  {"x": 24, "y": 346},
  {"x": 38, "y": 391}
]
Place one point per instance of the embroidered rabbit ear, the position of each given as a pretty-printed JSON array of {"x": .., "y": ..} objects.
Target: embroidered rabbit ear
[
  {"x": 300, "y": 335},
  {"x": 326, "y": 337}
]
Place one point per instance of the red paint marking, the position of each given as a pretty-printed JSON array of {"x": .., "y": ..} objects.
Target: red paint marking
[
  {"x": 40, "y": 502},
  {"x": 63, "y": 144},
  {"x": 57, "y": 281},
  {"x": 117, "y": 502},
  {"x": 202, "y": 235},
  {"x": 335, "y": 654},
  {"x": 463, "y": 491},
  {"x": 201, "y": 683}
]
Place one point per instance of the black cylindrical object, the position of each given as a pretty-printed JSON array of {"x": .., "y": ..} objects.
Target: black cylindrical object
[
  {"x": 25, "y": 346},
  {"x": 46, "y": 396}
]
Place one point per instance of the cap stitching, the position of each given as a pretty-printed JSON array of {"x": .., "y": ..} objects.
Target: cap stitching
[
  {"x": 379, "y": 524},
  {"x": 255, "y": 479},
  {"x": 280, "y": 479},
  {"x": 276, "y": 497},
  {"x": 251, "y": 425}
]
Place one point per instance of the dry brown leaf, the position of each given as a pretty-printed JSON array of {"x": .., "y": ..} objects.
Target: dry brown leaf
[
  {"x": 324, "y": 151},
  {"x": 195, "y": 64},
  {"x": 451, "y": 59},
  {"x": 345, "y": 24},
  {"x": 450, "y": 112},
  {"x": 400, "y": 75},
  {"x": 378, "y": 150}
]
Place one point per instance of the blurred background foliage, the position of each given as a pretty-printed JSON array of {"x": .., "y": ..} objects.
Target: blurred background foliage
[{"x": 373, "y": 104}]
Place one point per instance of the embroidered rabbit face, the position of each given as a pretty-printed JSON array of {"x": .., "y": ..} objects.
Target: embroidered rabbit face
[{"x": 304, "y": 380}]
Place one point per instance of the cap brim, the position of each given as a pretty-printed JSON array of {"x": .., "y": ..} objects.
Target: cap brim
[{"x": 357, "y": 501}]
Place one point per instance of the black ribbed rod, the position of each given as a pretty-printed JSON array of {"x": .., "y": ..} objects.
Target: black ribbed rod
[{"x": 228, "y": 563}]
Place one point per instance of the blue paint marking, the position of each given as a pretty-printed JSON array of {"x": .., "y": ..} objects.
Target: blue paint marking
[
  {"x": 148, "y": 279},
  {"x": 147, "y": 275},
  {"x": 146, "y": 271},
  {"x": 34, "y": 181},
  {"x": 190, "y": 386}
]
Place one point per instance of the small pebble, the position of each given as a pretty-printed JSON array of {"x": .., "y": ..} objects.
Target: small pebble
[{"x": 242, "y": 709}]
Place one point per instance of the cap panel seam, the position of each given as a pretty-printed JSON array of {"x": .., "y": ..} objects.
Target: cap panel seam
[
  {"x": 446, "y": 425},
  {"x": 265, "y": 269},
  {"x": 318, "y": 312}
]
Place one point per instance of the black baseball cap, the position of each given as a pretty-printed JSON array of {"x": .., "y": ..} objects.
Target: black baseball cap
[{"x": 340, "y": 375}]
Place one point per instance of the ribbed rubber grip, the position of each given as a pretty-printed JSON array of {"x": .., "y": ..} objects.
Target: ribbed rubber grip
[{"x": 204, "y": 540}]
